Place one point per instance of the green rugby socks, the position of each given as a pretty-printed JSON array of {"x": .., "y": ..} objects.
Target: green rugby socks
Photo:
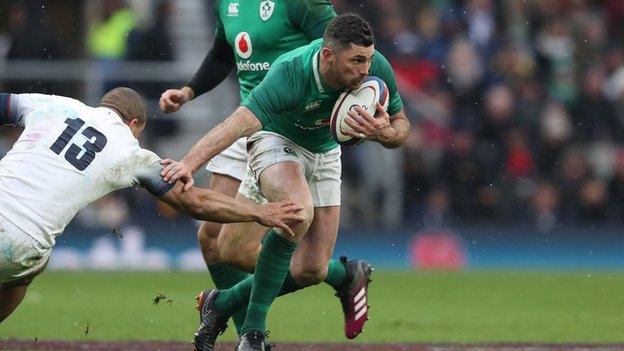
[
  {"x": 336, "y": 274},
  {"x": 271, "y": 269},
  {"x": 236, "y": 298},
  {"x": 224, "y": 277}
]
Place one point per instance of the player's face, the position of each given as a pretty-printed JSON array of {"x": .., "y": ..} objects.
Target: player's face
[{"x": 350, "y": 66}]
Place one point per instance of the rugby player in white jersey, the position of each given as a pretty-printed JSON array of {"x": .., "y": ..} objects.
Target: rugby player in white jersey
[{"x": 70, "y": 155}]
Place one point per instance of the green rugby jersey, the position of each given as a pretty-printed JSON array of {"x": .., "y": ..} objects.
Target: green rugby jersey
[
  {"x": 293, "y": 100},
  {"x": 259, "y": 31}
]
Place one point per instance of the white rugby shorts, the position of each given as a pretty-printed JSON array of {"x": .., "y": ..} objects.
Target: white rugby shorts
[
  {"x": 20, "y": 254},
  {"x": 232, "y": 161},
  {"x": 322, "y": 170}
]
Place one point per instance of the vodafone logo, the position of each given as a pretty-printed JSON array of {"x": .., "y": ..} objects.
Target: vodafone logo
[{"x": 243, "y": 45}]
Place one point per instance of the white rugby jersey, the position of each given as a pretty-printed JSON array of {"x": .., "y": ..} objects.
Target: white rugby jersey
[{"x": 68, "y": 156}]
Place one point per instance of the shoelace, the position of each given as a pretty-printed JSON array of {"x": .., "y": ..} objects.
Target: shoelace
[{"x": 255, "y": 341}]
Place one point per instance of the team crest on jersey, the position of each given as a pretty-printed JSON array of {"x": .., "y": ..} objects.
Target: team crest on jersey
[
  {"x": 233, "y": 9},
  {"x": 242, "y": 42},
  {"x": 266, "y": 9}
]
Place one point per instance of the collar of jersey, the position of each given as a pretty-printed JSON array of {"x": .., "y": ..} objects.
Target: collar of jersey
[{"x": 317, "y": 75}]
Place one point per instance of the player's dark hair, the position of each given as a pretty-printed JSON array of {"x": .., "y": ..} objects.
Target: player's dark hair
[
  {"x": 127, "y": 102},
  {"x": 348, "y": 29}
]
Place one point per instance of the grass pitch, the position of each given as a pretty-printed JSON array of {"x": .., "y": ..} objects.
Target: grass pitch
[{"x": 406, "y": 306}]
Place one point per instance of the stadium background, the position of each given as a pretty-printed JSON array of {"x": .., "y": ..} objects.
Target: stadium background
[
  {"x": 515, "y": 159},
  {"x": 515, "y": 155}
]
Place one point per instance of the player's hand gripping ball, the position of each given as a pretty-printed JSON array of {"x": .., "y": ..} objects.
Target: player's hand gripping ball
[{"x": 371, "y": 91}]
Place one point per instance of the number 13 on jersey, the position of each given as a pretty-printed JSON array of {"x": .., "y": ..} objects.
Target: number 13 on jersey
[{"x": 94, "y": 144}]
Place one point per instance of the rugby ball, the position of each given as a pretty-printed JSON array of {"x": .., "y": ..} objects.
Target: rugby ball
[{"x": 371, "y": 91}]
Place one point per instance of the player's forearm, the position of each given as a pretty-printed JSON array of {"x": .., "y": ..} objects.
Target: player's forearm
[
  {"x": 216, "y": 66},
  {"x": 210, "y": 145},
  {"x": 208, "y": 205},
  {"x": 240, "y": 124},
  {"x": 216, "y": 207},
  {"x": 401, "y": 126}
]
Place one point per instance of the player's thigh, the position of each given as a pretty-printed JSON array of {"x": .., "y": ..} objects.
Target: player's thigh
[
  {"x": 21, "y": 256},
  {"x": 224, "y": 184},
  {"x": 280, "y": 168},
  {"x": 310, "y": 260},
  {"x": 286, "y": 181}
]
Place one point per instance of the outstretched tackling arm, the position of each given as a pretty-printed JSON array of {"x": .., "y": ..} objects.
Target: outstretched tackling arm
[
  {"x": 240, "y": 124},
  {"x": 208, "y": 205},
  {"x": 212, "y": 206}
]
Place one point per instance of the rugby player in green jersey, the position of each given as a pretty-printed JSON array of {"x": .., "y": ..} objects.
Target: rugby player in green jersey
[
  {"x": 250, "y": 35},
  {"x": 292, "y": 156}
]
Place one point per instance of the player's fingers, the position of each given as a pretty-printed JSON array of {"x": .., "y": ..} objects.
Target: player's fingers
[
  {"x": 352, "y": 133},
  {"x": 169, "y": 102},
  {"x": 171, "y": 175},
  {"x": 166, "y": 105},
  {"x": 286, "y": 228},
  {"x": 357, "y": 127},
  {"x": 174, "y": 176},
  {"x": 188, "y": 185},
  {"x": 355, "y": 134},
  {"x": 161, "y": 104},
  {"x": 166, "y": 98},
  {"x": 361, "y": 118},
  {"x": 291, "y": 205},
  {"x": 292, "y": 208},
  {"x": 363, "y": 115},
  {"x": 295, "y": 217},
  {"x": 166, "y": 169},
  {"x": 381, "y": 112},
  {"x": 362, "y": 112}
]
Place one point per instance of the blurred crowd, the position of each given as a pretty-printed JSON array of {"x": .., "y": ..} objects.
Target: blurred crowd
[{"x": 517, "y": 106}]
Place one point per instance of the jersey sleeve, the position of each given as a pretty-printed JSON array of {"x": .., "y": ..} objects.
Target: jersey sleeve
[
  {"x": 310, "y": 16},
  {"x": 382, "y": 69},
  {"x": 216, "y": 66},
  {"x": 148, "y": 174},
  {"x": 9, "y": 114},
  {"x": 14, "y": 107},
  {"x": 277, "y": 92},
  {"x": 219, "y": 31}
]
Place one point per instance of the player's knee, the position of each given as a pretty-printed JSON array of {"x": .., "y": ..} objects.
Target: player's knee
[{"x": 301, "y": 227}]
